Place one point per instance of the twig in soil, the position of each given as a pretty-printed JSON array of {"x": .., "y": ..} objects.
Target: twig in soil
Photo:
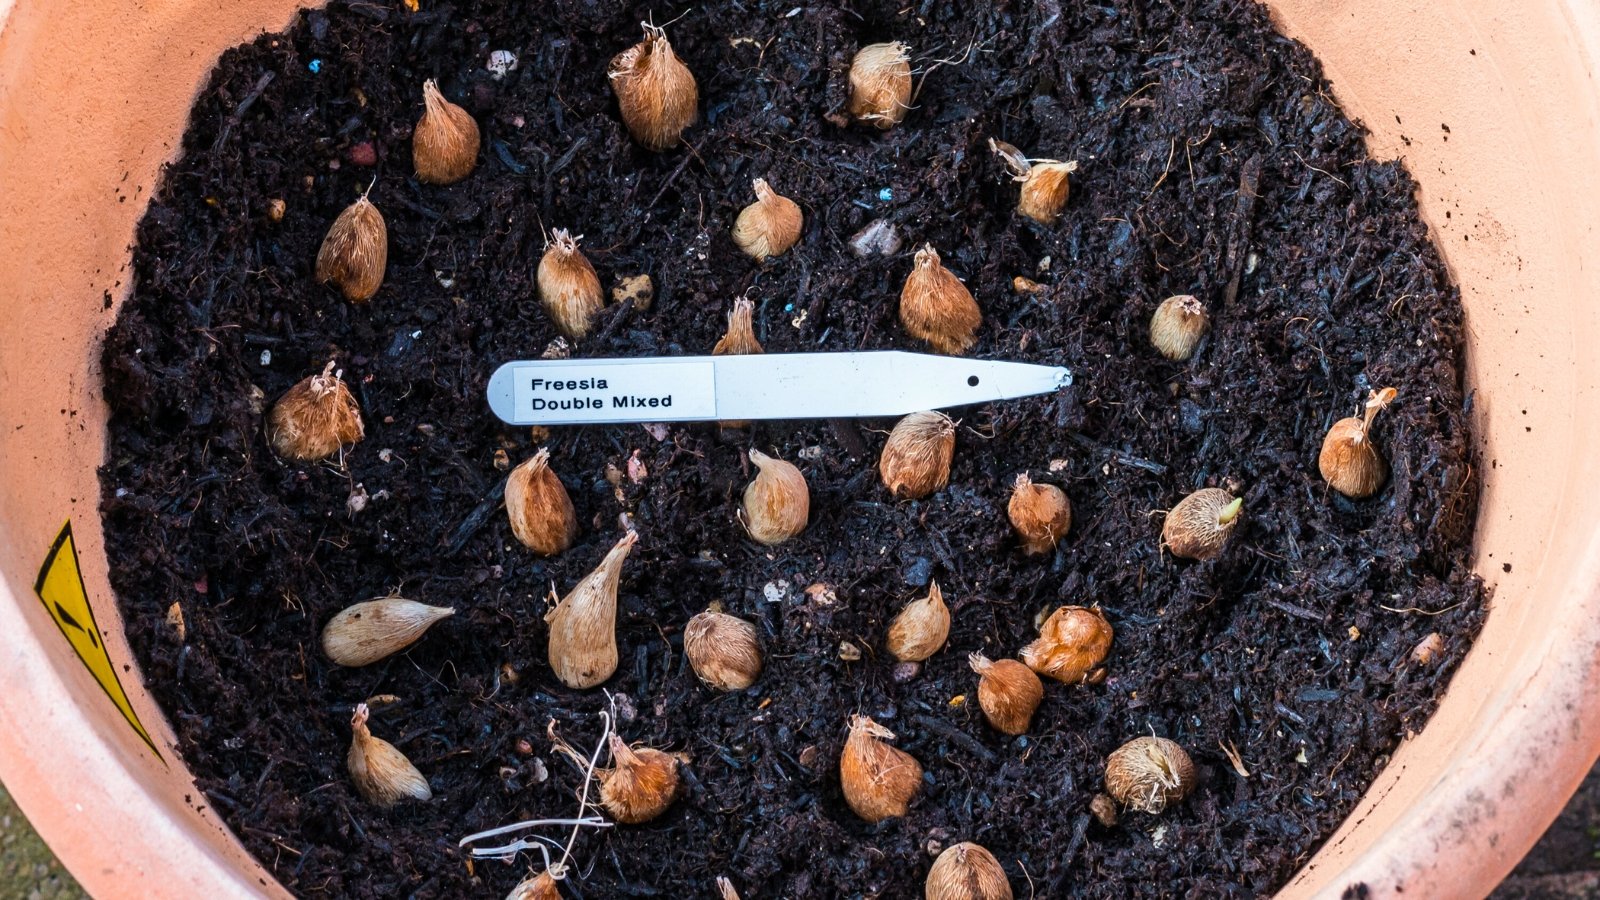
[
  {"x": 1298, "y": 612},
  {"x": 957, "y": 736},
  {"x": 476, "y": 519},
  {"x": 1124, "y": 458},
  {"x": 1244, "y": 216},
  {"x": 1079, "y": 828},
  {"x": 617, "y": 318},
  {"x": 248, "y": 101}
]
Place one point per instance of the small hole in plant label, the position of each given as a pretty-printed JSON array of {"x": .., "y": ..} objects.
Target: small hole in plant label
[{"x": 972, "y": 381}]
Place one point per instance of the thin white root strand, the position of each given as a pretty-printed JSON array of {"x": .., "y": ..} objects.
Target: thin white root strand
[{"x": 556, "y": 868}]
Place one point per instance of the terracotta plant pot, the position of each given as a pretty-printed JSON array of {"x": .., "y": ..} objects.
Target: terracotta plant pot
[{"x": 1494, "y": 108}]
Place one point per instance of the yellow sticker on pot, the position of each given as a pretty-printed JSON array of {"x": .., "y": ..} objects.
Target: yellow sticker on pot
[{"x": 60, "y": 589}]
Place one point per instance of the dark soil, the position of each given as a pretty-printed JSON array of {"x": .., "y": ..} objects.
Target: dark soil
[{"x": 1292, "y": 647}]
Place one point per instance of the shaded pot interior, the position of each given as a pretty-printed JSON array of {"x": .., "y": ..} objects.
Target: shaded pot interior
[{"x": 1495, "y": 115}]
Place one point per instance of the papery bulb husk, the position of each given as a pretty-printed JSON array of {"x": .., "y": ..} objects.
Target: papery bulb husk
[
  {"x": 1199, "y": 526},
  {"x": 640, "y": 785},
  {"x": 382, "y": 774},
  {"x": 1044, "y": 190},
  {"x": 1040, "y": 513},
  {"x": 777, "y": 504},
  {"x": 568, "y": 286},
  {"x": 363, "y": 633},
  {"x": 916, "y": 458},
  {"x": 967, "y": 871},
  {"x": 739, "y": 339},
  {"x": 1428, "y": 650},
  {"x": 1072, "y": 643},
  {"x": 355, "y": 251},
  {"x": 1009, "y": 693},
  {"x": 656, "y": 92},
  {"x": 539, "y": 507},
  {"x": 444, "y": 145},
  {"x": 583, "y": 626},
  {"x": 1178, "y": 325},
  {"x": 921, "y": 628},
  {"x": 936, "y": 307},
  {"x": 726, "y": 889},
  {"x": 315, "y": 418},
  {"x": 723, "y": 650},
  {"x": 880, "y": 84},
  {"x": 1149, "y": 773},
  {"x": 769, "y": 226},
  {"x": 1350, "y": 462},
  {"x": 879, "y": 781},
  {"x": 537, "y": 887}
]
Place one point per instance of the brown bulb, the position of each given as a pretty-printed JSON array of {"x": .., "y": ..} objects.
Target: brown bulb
[
  {"x": 723, "y": 650},
  {"x": 1178, "y": 325},
  {"x": 444, "y": 145},
  {"x": 1044, "y": 190},
  {"x": 568, "y": 285},
  {"x": 966, "y": 871},
  {"x": 583, "y": 626},
  {"x": 880, "y": 84},
  {"x": 1040, "y": 513},
  {"x": 1071, "y": 645},
  {"x": 879, "y": 781},
  {"x": 1148, "y": 773},
  {"x": 655, "y": 91},
  {"x": 777, "y": 504},
  {"x": 769, "y": 226},
  {"x": 921, "y": 628},
  {"x": 364, "y": 633},
  {"x": 640, "y": 785},
  {"x": 355, "y": 251},
  {"x": 1350, "y": 462},
  {"x": 916, "y": 458},
  {"x": 1199, "y": 526},
  {"x": 1008, "y": 692},
  {"x": 315, "y": 418},
  {"x": 382, "y": 774},
  {"x": 539, "y": 508},
  {"x": 936, "y": 307},
  {"x": 739, "y": 339},
  {"x": 1045, "y": 182},
  {"x": 536, "y": 887}
]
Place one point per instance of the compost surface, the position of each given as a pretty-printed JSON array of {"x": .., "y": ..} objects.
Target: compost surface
[{"x": 1213, "y": 161}]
